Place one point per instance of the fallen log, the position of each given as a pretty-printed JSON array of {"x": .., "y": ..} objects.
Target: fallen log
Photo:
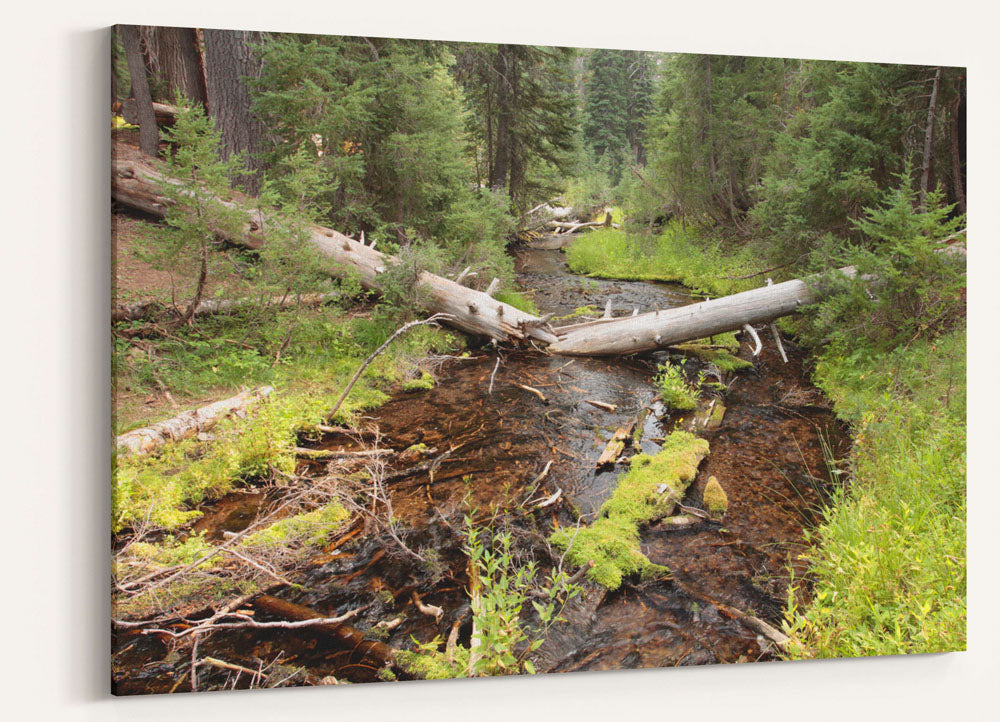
[
  {"x": 136, "y": 182},
  {"x": 657, "y": 329},
  {"x": 574, "y": 227},
  {"x": 151, "y": 309},
  {"x": 379, "y": 652},
  {"x": 187, "y": 424}
]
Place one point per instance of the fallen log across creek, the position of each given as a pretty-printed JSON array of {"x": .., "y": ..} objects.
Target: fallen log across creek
[{"x": 137, "y": 183}]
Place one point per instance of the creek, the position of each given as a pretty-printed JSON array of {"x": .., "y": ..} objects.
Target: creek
[{"x": 768, "y": 453}]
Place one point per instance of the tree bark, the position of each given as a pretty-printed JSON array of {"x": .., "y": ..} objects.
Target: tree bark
[
  {"x": 229, "y": 58},
  {"x": 179, "y": 64},
  {"x": 925, "y": 171},
  {"x": 149, "y": 135}
]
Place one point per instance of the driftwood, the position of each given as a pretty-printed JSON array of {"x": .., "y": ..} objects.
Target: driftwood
[
  {"x": 382, "y": 654},
  {"x": 189, "y": 423}
]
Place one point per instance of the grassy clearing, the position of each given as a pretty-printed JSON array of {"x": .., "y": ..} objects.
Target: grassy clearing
[
  {"x": 612, "y": 542},
  {"x": 670, "y": 256}
]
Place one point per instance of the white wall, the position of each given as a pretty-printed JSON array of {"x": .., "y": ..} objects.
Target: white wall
[{"x": 54, "y": 403}]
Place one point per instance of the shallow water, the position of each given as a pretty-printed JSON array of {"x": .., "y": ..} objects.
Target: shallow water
[{"x": 767, "y": 454}]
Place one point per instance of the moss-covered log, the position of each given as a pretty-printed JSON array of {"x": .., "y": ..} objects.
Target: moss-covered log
[{"x": 649, "y": 491}]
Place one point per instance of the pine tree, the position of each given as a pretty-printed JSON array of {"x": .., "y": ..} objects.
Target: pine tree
[{"x": 605, "y": 124}]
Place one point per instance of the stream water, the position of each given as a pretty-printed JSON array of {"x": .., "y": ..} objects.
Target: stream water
[{"x": 767, "y": 453}]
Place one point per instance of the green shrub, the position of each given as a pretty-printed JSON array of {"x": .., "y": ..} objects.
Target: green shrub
[{"x": 675, "y": 390}]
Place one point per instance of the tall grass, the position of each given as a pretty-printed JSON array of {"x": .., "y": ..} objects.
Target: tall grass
[
  {"x": 888, "y": 560},
  {"x": 670, "y": 256}
]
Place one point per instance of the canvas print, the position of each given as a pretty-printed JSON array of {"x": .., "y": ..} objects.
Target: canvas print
[{"x": 447, "y": 359}]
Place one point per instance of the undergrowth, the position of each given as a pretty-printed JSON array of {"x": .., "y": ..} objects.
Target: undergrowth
[
  {"x": 321, "y": 355},
  {"x": 888, "y": 563}
]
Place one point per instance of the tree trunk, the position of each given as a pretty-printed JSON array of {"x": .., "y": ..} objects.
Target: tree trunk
[
  {"x": 957, "y": 171},
  {"x": 189, "y": 423},
  {"x": 505, "y": 119},
  {"x": 229, "y": 58},
  {"x": 149, "y": 135},
  {"x": 179, "y": 64},
  {"x": 657, "y": 329},
  {"x": 137, "y": 184},
  {"x": 925, "y": 171}
]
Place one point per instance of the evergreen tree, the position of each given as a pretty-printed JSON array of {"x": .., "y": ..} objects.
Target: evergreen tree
[
  {"x": 606, "y": 119},
  {"x": 522, "y": 105}
]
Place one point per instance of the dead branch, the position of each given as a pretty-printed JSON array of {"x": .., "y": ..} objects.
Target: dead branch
[
  {"x": 429, "y": 609},
  {"x": 602, "y": 405},
  {"x": 430, "y": 320}
]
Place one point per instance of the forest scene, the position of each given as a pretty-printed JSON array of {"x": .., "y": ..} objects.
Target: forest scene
[{"x": 438, "y": 359}]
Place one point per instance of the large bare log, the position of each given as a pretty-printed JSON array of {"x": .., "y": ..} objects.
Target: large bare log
[
  {"x": 649, "y": 331},
  {"x": 137, "y": 182},
  {"x": 189, "y": 423}
]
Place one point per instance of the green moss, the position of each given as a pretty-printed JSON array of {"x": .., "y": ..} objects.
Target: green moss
[
  {"x": 424, "y": 383},
  {"x": 309, "y": 529},
  {"x": 428, "y": 663},
  {"x": 518, "y": 300},
  {"x": 579, "y": 311},
  {"x": 719, "y": 350},
  {"x": 612, "y": 542},
  {"x": 714, "y": 498}
]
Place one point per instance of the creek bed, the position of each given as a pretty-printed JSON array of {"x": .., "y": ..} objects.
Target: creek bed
[{"x": 768, "y": 453}]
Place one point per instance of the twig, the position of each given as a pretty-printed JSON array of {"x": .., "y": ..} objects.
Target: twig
[
  {"x": 602, "y": 405},
  {"x": 534, "y": 391},
  {"x": 549, "y": 501},
  {"x": 492, "y": 375}
]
